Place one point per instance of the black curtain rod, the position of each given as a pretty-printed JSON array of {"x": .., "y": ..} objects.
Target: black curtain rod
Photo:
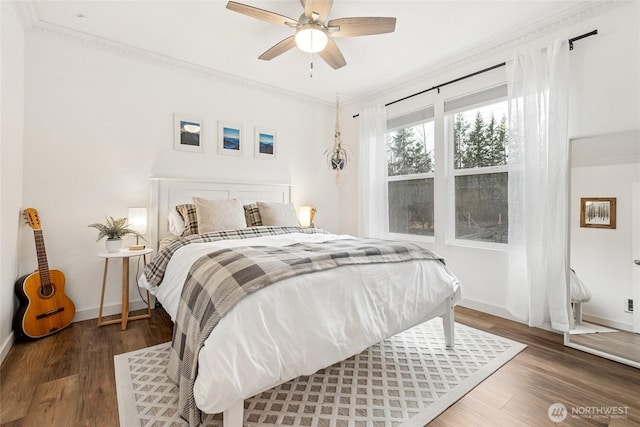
[{"x": 493, "y": 67}]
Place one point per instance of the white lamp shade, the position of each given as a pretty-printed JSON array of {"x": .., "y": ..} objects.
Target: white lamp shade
[
  {"x": 311, "y": 39},
  {"x": 137, "y": 220},
  {"x": 304, "y": 216}
]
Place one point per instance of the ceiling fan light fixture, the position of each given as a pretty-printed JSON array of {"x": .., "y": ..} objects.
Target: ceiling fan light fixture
[{"x": 311, "y": 38}]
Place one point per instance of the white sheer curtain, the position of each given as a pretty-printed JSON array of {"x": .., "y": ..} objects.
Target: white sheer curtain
[
  {"x": 372, "y": 163},
  {"x": 538, "y": 186}
]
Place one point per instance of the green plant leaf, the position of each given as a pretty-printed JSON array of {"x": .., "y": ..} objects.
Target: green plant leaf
[{"x": 114, "y": 229}]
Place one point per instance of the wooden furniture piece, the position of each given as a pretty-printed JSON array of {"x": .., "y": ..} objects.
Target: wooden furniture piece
[{"x": 125, "y": 255}]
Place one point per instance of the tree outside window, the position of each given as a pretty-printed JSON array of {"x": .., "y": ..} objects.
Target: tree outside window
[
  {"x": 410, "y": 167},
  {"x": 479, "y": 160}
]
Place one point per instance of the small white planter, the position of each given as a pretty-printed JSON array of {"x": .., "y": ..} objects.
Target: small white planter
[{"x": 113, "y": 245}]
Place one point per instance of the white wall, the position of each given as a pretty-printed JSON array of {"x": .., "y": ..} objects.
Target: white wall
[
  {"x": 11, "y": 125},
  {"x": 100, "y": 123},
  {"x": 605, "y": 97}
]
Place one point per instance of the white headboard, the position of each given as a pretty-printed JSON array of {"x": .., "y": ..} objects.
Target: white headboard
[{"x": 166, "y": 193}]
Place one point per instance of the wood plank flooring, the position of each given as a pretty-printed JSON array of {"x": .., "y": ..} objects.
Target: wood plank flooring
[
  {"x": 67, "y": 379},
  {"x": 620, "y": 343}
]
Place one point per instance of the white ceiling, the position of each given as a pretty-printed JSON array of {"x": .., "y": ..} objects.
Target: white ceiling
[{"x": 205, "y": 33}]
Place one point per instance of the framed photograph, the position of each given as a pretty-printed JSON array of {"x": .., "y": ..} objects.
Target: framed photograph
[
  {"x": 598, "y": 212},
  {"x": 265, "y": 143},
  {"x": 188, "y": 133},
  {"x": 230, "y": 141}
]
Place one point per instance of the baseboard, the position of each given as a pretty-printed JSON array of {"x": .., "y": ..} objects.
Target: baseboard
[
  {"x": 504, "y": 313},
  {"x": 488, "y": 308},
  {"x": 607, "y": 322},
  {"x": 108, "y": 310},
  {"x": 499, "y": 312},
  {"x": 6, "y": 346}
]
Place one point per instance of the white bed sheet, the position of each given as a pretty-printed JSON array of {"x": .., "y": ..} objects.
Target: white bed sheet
[{"x": 304, "y": 323}]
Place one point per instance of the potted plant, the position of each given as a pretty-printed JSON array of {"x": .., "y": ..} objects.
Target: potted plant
[{"x": 114, "y": 230}]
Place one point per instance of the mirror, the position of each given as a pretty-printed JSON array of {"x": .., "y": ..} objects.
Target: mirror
[{"x": 604, "y": 245}]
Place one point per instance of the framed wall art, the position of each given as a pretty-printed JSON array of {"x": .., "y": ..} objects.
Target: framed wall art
[
  {"x": 230, "y": 141},
  {"x": 188, "y": 133},
  {"x": 266, "y": 145},
  {"x": 598, "y": 212}
]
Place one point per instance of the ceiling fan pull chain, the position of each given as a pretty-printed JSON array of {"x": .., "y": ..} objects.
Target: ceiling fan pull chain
[{"x": 310, "y": 65}]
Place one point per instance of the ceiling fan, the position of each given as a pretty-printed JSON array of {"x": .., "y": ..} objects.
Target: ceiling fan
[{"x": 314, "y": 33}]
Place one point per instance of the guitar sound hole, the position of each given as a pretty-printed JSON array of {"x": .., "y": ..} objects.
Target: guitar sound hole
[{"x": 47, "y": 291}]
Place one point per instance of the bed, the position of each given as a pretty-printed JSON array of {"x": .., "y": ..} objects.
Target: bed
[{"x": 299, "y": 324}]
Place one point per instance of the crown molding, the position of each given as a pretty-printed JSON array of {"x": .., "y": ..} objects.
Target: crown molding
[
  {"x": 149, "y": 57},
  {"x": 497, "y": 47}
]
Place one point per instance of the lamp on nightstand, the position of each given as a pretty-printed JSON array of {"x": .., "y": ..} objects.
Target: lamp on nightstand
[
  {"x": 305, "y": 215},
  {"x": 137, "y": 222}
]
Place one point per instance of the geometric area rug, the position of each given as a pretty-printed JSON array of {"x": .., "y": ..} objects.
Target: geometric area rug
[{"x": 406, "y": 380}]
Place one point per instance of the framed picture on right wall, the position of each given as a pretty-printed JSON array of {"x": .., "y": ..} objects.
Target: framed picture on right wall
[{"x": 598, "y": 212}]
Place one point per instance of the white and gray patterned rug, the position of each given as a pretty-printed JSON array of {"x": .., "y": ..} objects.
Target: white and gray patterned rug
[{"x": 406, "y": 380}]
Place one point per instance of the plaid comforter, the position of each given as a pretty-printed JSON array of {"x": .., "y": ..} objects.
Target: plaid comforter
[
  {"x": 219, "y": 280},
  {"x": 154, "y": 271}
]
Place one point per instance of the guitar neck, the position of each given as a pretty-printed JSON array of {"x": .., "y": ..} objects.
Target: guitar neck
[{"x": 43, "y": 265}]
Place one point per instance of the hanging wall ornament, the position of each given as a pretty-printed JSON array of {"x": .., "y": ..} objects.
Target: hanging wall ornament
[{"x": 338, "y": 156}]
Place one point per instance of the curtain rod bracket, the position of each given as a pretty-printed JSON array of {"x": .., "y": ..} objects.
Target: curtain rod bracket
[{"x": 571, "y": 40}]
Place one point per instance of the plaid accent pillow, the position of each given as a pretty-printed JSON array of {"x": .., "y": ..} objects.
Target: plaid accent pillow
[
  {"x": 252, "y": 215},
  {"x": 188, "y": 214}
]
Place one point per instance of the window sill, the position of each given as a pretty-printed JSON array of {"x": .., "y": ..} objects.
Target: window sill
[
  {"x": 410, "y": 237},
  {"x": 500, "y": 247}
]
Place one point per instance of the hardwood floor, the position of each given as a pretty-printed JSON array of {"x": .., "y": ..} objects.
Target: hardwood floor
[
  {"x": 68, "y": 379},
  {"x": 620, "y": 343}
]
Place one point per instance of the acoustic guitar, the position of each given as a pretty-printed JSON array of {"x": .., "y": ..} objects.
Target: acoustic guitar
[{"x": 44, "y": 307}]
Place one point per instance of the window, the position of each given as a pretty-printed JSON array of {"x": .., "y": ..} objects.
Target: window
[
  {"x": 478, "y": 141},
  {"x": 410, "y": 167}
]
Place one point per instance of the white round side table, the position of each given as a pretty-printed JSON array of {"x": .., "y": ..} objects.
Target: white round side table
[{"x": 124, "y": 255}]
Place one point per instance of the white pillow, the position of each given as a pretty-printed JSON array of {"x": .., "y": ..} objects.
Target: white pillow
[
  {"x": 278, "y": 214},
  {"x": 216, "y": 215},
  {"x": 176, "y": 223}
]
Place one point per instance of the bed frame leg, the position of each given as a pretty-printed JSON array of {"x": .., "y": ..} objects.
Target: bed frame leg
[
  {"x": 448, "y": 325},
  {"x": 233, "y": 416}
]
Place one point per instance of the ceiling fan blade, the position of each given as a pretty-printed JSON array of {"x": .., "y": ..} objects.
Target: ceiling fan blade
[
  {"x": 319, "y": 7},
  {"x": 263, "y": 15},
  {"x": 279, "y": 48},
  {"x": 353, "y": 27},
  {"x": 332, "y": 55}
]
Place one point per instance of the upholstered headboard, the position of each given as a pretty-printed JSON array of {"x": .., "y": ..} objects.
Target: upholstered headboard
[{"x": 166, "y": 193}]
